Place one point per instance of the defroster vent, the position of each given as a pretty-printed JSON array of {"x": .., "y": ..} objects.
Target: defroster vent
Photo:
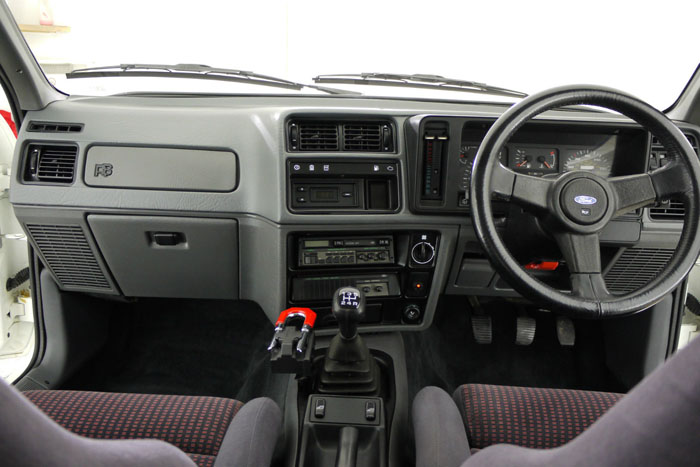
[
  {"x": 50, "y": 163},
  {"x": 635, "y": 268},
  {"x": 69, "y": 256}
]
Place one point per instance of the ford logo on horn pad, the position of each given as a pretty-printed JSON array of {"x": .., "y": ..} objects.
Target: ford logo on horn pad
[{"x": 585, "y": 200}]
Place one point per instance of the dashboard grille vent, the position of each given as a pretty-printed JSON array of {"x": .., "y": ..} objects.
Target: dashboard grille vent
[
  {"x": 69, "y": 256},
  {"x": 349, "y": 136},
  {"x": 668, "y": 210},
  {"x": 50, "y": 163},
  {"x": 635, "y": 268},
  {"x": 362, "y": 137},
  {"x": 317, "y": 137},
  {"x": 51, "y": 127}
]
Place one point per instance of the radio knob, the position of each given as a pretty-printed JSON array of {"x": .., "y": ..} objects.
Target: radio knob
[{"x": 422, "y": 253}]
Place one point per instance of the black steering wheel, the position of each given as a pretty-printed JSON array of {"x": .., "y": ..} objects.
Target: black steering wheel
[{"x": 575, "y": 206}]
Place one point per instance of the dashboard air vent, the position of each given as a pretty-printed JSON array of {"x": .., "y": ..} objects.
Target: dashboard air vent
[
  {"x": 52, "y": 163},
  {"x": 69, "y": 256},
  {"x": 671, "y": 209},
  {"x": 367, "y": 137},
  {"x": 314, "y": 136},
  {"x": 52, "y": 127},
  {"x": 339, "y": 135},
  {"x": 635, "y": 268}
]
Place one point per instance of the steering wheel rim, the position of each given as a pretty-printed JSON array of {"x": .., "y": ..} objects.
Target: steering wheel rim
[{"x": 550, "y": 201}]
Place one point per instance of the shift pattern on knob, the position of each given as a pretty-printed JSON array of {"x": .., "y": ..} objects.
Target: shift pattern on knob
[{"x": 349, "y": 298}]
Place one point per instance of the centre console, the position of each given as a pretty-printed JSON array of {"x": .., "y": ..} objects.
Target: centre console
[{"x": 393, "y": 269}]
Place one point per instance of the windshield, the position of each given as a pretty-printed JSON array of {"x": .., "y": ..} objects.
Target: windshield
[{"x": 639, "y": 47}]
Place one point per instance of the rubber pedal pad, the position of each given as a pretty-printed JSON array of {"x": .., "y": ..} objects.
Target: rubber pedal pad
[
  {"x": 482, "y": 328},
  {"x": 525, "y": 330},
  {"x": 566, "y": 332}
]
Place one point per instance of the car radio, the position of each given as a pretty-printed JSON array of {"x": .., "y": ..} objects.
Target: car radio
[{"x": 332, "y": 251}]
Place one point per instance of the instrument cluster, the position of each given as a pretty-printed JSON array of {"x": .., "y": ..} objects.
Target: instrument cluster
[{"x": 540, "y": 160}]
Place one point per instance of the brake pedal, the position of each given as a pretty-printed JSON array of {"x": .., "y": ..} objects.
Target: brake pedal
[
  {"x": 482, "y": 329},
  {"x": 566, "y": 332},
  {"x": 525, "y": 330}
]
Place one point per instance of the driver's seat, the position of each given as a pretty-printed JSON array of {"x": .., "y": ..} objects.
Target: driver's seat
[{"x": 657, "y": 423}]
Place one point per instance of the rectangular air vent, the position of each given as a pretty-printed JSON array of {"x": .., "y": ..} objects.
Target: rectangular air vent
[
  {"x": 367, "y": 137},
  {"x": 51, "y": 163},
  {"x": 337, "y": 135},
  {"x": 314, "y": 136},
  {"x": 69, "y": 256},
  {"x": 635, "y": 268},
  {"x": 53, "y": 127},
  {"x": 668, "y": 210}
]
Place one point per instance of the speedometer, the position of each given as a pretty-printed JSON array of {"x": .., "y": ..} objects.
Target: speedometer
[{"x": 590, "y": 160}]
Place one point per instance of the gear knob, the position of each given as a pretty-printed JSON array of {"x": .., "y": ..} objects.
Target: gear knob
[{"x": 348, "y": 309}]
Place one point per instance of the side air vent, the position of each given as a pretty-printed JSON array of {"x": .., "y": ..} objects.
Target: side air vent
[
  {"x": 50, "y": 163},
  {"x": 669, "y": 209},
  {"x": 349, "y": 136},
  {"x": 52, "y": 127},
  {"x": 635, "y": 268},
  {"x": 69, "y": 256}
]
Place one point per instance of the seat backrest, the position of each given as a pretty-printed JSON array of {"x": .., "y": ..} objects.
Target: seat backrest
[
  {"x": 28, "y": 437},
  {"x": 657, "y": 424}
]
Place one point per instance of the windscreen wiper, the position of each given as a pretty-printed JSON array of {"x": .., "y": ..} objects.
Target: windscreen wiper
[
  {"x": 417, "y": 81},
  {"x": 194, "y": 71}
]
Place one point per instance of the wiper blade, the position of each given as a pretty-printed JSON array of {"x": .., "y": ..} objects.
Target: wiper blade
[
  {"x": 418, "y": 81},
  {"x": 186, "y": 70}
]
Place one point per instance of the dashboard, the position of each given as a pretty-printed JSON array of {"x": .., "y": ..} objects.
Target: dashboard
[{"x": 295, "y": 196}]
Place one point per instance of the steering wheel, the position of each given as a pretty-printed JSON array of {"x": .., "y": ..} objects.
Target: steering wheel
[{"x": 575, "y": 206}]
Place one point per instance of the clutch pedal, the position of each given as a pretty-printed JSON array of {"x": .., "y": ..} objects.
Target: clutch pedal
[{"x": 482, "y": 329}]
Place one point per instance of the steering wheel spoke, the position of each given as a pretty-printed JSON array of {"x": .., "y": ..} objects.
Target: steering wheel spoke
[
  {"x": 642, "y": 190},
  {"x": 525, "y": 190},
  {"x": 582, "y": 255},
  {"x": 632, "y": 192}
]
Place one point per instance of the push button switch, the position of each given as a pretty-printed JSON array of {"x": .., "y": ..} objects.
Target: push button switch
[
  {"x": 320, "y": 408},
  {"x": 370, "y": 410}
]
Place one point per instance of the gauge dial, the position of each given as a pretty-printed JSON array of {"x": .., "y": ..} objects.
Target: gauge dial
[
  {"x": 535, "y": 160},
  {"x": 590, "y": 160}
]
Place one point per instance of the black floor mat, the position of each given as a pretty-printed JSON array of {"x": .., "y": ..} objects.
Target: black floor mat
[
  {"x": 190, "y": 347},
  {"x": 446, "y": 355}
]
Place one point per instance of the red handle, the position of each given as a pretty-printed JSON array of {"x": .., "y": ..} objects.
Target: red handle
[{"x": 307, "y": 313}]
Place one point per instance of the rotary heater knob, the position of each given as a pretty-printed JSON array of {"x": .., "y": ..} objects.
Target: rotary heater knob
[{"x": 422, "y": 252}]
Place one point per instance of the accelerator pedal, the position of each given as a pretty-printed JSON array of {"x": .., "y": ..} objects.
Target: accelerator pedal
[
  {"x": 525, "y": 330},
  {"x": 566, "y": 332}
]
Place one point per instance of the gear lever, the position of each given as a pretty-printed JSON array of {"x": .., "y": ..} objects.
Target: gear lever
[
  {"x": 348, "y": 309},
  {"x": 349, "y": 367}
]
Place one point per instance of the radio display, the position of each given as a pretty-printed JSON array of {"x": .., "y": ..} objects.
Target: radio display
[{"x": 316, "y": 243}]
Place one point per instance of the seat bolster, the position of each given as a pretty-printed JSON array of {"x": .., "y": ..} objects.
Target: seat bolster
[
  {"x": 29, "y": 437},
  {"x": 251, "y": 438},
  {"x": 441, "y": 440}
]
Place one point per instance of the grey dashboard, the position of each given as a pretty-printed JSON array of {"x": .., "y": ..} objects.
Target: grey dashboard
[{"x": 132, "y": 222}]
